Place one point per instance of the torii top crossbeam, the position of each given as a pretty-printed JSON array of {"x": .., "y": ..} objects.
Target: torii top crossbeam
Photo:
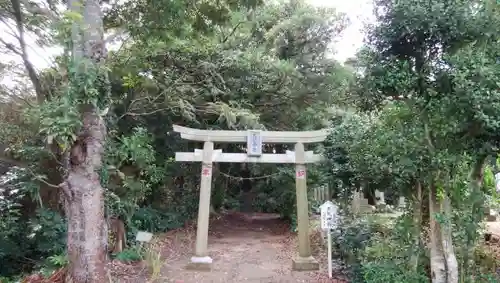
[{"x": 241, "y": 136}]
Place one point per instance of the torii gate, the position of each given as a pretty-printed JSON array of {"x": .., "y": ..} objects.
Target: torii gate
[{"x": 254, "y": 139}]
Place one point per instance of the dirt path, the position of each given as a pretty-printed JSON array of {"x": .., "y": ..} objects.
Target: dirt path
[
  {"x": 493, "y": 228},
  {"x": 243, "y": 250}
]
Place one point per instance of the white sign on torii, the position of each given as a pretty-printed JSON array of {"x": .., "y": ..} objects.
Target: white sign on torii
[{"x": 254, "y": 140}]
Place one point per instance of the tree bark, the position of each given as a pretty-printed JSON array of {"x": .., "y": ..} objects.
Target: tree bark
[
  {"x": 444, "y": 265},
  {"x": 87, "y": 233},
  {"x": 23, "y": 53},
  {"x": 447, "y": 241},
  {"x": 87, "y": 229},
  {"x": 417, "y": 222},
  {"x": 437, "y": 259},
  {"x": 120, "y": 236},
  {"x": 477, "y": 212}
]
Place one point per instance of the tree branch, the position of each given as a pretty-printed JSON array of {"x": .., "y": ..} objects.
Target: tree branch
[
  {"x": 11, "y": 47},
  {"x": 232, "y": 32},
  {"x": 16, "y": 6}
]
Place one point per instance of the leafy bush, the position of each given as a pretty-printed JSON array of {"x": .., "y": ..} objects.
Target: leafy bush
[
  {"x": 154, "y": 220},
  {"x": 48, "y": 232},
  {"x": 388, "y": 272},
  {"x": 375, "y": 250},
  {"x": 350, "y": 242},
  {"x": 25, "y": 236},
  {"x": 129, "y": 255},
  {"x": 41, "y": 237}
]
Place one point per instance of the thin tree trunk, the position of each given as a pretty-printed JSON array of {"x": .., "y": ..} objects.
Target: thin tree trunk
[
  {"x": 476, "y": 180},
  {"x": 417, "y": 222},
  {"x": 118, "y": 229},
  {"x": 447, "y": 242},
  {"x": 18, "y": 16},
  {"x": 477, "y": 212},
  {"x": 437, "y": 259}
]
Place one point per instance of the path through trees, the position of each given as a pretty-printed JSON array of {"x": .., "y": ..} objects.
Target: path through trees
[{"x": 245, "y": 251}]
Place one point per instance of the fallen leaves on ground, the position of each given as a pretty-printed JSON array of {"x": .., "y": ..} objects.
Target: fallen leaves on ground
[{"x": 177, "y": 245}]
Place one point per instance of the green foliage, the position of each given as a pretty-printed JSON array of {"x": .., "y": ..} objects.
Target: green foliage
[
  {"x": 59, "y": 121},
  {"x": 48, "y": 230},
  {"x": 486, "y": 264},
  {"x": 388, "y": 272},
  {"x": 129, "y": 255},
  {"x": 377, "y": 250},
  {"x": 52, "y": 264},
  {"x": 277, "y": 193},
  {"x": 11, "y": 228},
  {"x": 135, "y": 155},
  {"x": 42, "y": 237},
  {"x": 58, "y": 260},
  {"x": 419, "y": 106},
  {"x": 154, "y": 220},
  {"x": 428, "y": 94}
]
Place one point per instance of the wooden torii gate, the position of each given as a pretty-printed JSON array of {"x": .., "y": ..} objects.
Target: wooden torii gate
[{"x": 254, "y": 139}]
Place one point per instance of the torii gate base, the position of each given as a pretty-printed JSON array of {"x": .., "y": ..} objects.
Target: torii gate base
[{"x": 304, "y": 261}]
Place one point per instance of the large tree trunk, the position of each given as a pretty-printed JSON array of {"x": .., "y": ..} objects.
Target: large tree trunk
[{"x": 87, "y": 233}]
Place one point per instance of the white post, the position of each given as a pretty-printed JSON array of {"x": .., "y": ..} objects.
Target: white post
[
  {"x": 355, "y": 204},
  {"x": 382, "y": 197},
  {"x": 497, "y": 182},
  {"x": 402, "y": 202},
  {"x": 329, "y": 215},
  {"x": 330, "y": 271}
]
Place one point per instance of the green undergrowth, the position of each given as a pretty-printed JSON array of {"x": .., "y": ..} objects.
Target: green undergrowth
[{"x": 379, "y": 249}]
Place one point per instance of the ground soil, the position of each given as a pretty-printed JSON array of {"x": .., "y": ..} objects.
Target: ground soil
[
  {"x": 244, "y": 248},
  {"x": 493, "y": 238}
]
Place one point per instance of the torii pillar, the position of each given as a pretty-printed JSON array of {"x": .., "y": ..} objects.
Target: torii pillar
[{"x": 304, "y": 261}]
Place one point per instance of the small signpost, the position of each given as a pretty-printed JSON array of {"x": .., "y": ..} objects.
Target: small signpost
[
  {"x": 329, "y": 214},
  {"x": 497, "y": 181},
  {"x": 143, "y": 237}
]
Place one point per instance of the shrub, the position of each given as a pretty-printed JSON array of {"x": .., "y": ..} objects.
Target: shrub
[{"x": 375, "y": 250}]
